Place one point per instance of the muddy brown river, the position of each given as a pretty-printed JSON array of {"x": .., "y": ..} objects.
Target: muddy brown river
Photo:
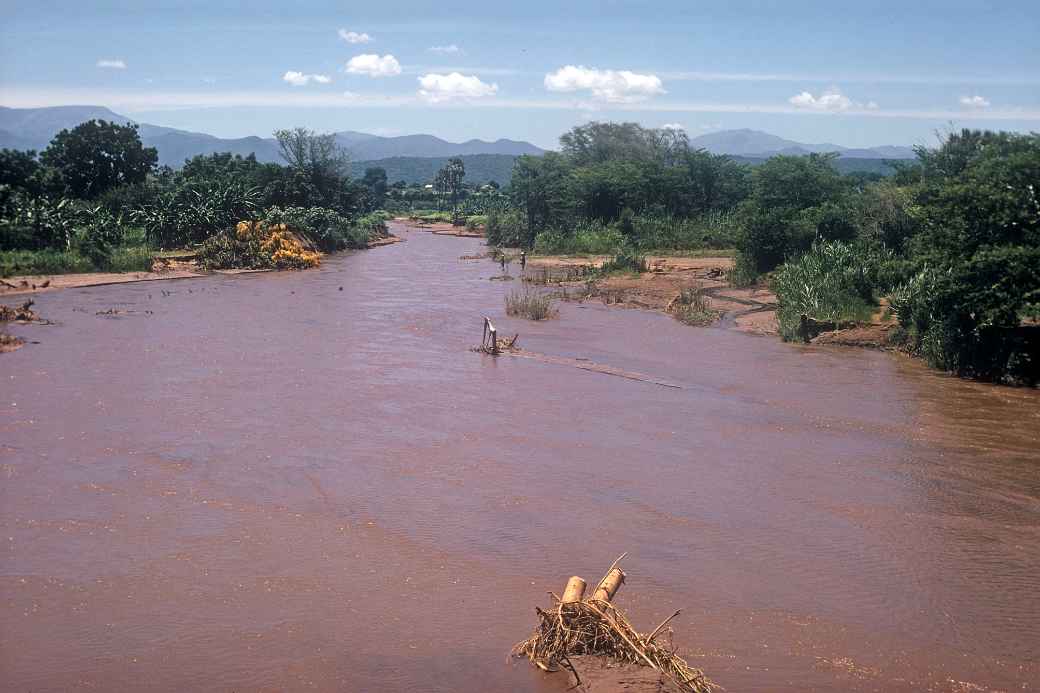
[{"x": 265, "y": 482}]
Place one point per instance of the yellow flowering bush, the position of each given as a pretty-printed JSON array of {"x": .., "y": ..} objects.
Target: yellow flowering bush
[{"x": 257, "y": 245}]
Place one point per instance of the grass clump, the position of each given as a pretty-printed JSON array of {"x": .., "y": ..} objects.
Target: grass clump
[
  {"x": 626, "y": 260},
  {"x": 17, "y": 262},
  {"x": 529, "y": 304},
  {"x": 691, "y": 307}
]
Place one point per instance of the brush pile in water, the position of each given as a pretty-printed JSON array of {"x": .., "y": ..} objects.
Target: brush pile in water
[
  {"x": 594, "y": 626},
  {"x": 23, "y": 313}
]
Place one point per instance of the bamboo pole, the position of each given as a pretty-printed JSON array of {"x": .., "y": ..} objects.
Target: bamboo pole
[
  {"x": 574, "y": 591},
  {"x": 610, "y": 585}
]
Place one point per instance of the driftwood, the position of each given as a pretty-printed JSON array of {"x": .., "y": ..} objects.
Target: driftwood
[
  {"x": 491, "y": 344},
  {"x": 594, "y": 626}
]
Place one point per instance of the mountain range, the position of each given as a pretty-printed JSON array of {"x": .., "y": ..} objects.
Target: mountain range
[
  {"x": 756, "y": 144},
  {"x": 33, "y": 128}
]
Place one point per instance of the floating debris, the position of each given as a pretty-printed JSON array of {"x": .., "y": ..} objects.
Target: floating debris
[
  {"x": 23, "y": 313},
  {"x": 594, "y": 626}
]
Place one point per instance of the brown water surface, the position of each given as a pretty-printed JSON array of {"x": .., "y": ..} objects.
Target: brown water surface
[{"x": 269, "y": 483}]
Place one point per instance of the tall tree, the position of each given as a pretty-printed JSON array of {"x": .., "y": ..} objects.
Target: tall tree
[
  {"x": 316, "y": 156},
  {"x": 449, "y": 181},
  {"x": 97, "y": 156}
]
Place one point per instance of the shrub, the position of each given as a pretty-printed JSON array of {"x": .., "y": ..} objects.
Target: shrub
[
  {"x": 625, "y": 260},
  {"x": 833, "y": 281},
  {"x": 507, "y": 229},
  {"x": 325, "y": 228},
  {"x": 256, "y": 245},
  {"x": 529, "y": 304}
]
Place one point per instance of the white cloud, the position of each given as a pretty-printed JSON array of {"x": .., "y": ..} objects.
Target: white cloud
[
  {"x": 450, "y": 49},
  {"x": 373, "y": 65},
  {"x": 830, "y": 100},
  {"x": 355, "y": 37},
  {"x": 673, "y": 126},
  {"x": 298, "y": 79},
  {"x": 621, "y": 86},
  {"x": 975, "y": 101},
  {"x": 109, "y": 64},
  {"x": 436, "y": 88}
]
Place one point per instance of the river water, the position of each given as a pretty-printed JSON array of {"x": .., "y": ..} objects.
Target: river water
[{"x": 308, "y": 481}]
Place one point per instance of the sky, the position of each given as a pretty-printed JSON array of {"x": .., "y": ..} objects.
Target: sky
[{"x": 861, "y": 73}]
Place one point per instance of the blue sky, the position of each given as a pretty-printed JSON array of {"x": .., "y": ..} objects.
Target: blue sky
[{"x": 857, "y": 74}]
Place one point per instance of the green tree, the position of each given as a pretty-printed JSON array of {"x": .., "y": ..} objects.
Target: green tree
[
  {"x": 97, "y": 156},
  {"x": 319, "y": 159},
  {"x": 449, "y": 181}
]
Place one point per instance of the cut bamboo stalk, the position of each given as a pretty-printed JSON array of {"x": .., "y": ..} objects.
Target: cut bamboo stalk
[
  {"x": 610, "y": 585},
  {"x": 574, "y": 591}
]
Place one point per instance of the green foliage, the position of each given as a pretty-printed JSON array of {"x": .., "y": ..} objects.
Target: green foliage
[
  {"x": 194, "y": 209},
  {"x": 587, "y": 238},
  {"x": 229, "y": 249},
  {"x": 833, "y": 281},
  {"x": 794, "y": 201},
  {"x": 506, "y": 229},
  {"x": 326, "y": 229},
  {"x": 625, "y": 260},
  {"x": 97, "y": 156},
  {"x": 19, "y": 262}
]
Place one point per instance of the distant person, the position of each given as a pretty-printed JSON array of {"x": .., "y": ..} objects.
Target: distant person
[
  {"x": 502, "y": 259},
  {"x": 523, "y": 260}
]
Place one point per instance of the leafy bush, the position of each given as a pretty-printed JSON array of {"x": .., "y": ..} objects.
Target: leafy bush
[
  {"x": 194, "y": 210},
  {"x": 328, "y": 230},
  {"x": 506, "y": 229},
  {"x": 256, "y": 245}
]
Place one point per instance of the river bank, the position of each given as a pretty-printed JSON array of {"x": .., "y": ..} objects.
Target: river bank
[
  {"x": 269, "y": 483},
  {"x": 180, "y": 267}
]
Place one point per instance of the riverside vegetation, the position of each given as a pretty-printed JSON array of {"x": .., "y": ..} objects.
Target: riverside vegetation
[
  {"x": 951, "y": 241},
  {"x": 62, "y": 211}
]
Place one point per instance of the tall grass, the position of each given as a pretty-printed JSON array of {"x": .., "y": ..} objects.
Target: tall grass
[
  {"x": 834, "y": 281},
  {"x": 529, "y": 304},
  {"x": 691, "y": 306}
]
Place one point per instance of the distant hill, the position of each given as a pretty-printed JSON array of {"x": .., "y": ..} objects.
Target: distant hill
[
  {"x": 762, "y": 145},
  {"x": 366, "y": 147},
  {"x": 33, "y": 128},
  {"x": 480, "y": 168},
  {"x": 413, "y": 158}
]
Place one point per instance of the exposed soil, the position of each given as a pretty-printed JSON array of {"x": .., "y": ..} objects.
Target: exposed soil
[
  {"x": 747, "y": 310},
  {"x": 441, "y": 228}
]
